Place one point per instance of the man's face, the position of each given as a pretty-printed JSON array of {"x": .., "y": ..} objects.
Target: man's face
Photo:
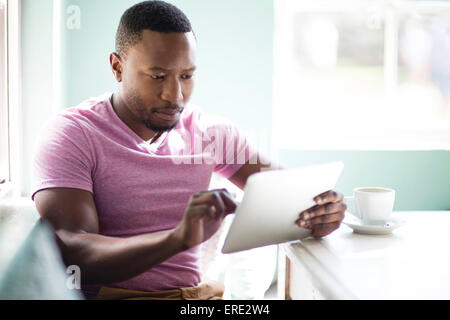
[{"x": 157, "y": 78}]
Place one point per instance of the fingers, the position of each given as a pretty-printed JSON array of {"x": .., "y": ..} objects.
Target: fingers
[
  {"x": 326, "y": 216},
  {"x": 329, "y": 196},
  {"x": 228, "y": 199},
  {"x": 321, "y": 212},
  {"x": 212, "y": 201},
  {"x": 322, "y": 230},
  {"x": 331, "y": 218},
  {"x": 220, "y": 201},
  {"x": 202, "y": 210}
]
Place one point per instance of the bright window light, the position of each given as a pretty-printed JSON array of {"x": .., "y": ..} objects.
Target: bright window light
[
  {"x": 362, "y": 75},
  {"x": 4, "y": 172}
]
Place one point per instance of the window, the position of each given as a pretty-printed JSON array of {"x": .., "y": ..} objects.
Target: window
[
  {"x": 4, "y": 152},
  {"x": 10, "y": 94},
  {"x": 362, "y": 75}
]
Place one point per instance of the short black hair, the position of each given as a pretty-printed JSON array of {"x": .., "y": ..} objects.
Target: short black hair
[{"x": 153, "y": 15}]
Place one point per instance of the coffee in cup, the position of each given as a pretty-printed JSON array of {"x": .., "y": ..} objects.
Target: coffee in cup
[{"x": 373, "y": 205}]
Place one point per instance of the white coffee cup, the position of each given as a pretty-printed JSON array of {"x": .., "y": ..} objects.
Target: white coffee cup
[{"x": 373, "y": 205}]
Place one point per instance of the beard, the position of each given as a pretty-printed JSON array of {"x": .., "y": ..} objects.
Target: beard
[
  {"x": 159, "y": 129},
  {"x": 145, "y": 114}
]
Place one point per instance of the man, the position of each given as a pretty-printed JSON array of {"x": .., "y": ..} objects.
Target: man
[{"x": 122, "y": 180}]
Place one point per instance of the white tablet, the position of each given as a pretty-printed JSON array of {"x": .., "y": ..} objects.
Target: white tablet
[{"x": 272, "y": 203}]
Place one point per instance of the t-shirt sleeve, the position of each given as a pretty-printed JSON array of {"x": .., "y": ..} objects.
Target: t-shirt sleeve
[
  {"x": 62, "y": 158},
  {"x": 237, "y": 150}
]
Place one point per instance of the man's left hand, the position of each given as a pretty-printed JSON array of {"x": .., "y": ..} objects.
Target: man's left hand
[{"x": 326, "y": 216}]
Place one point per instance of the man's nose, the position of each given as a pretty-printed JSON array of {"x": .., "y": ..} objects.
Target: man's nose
[{"x": 172, "y": 92}]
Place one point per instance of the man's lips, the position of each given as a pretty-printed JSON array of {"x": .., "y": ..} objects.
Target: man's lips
[{"x": 168, "y": 115}]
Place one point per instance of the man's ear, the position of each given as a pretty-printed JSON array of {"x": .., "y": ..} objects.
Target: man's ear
[{"x": 116, "y": 66}]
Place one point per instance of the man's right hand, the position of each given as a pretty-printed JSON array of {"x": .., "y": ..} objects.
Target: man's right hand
[{"x": 203, "y": 217}]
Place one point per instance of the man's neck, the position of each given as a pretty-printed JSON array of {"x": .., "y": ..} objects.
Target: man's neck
[{"x": 127, "y": 117}]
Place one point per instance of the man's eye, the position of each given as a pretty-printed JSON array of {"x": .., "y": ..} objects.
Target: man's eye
[
  {"x": 157, "y": 77},
  {"x": 187, "y": 77}
]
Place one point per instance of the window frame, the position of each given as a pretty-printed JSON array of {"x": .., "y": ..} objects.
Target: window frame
[
  {"x": 423, "y": 138},
  {"x": 12, "y": 96},
  {"x": 4, "y": 133}
]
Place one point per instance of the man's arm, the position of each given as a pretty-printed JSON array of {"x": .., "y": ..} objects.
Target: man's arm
[
  {"x": 102, "y": 259},
  {"x": 322, "y": 219},
  {"x": 256, "y": 164}
]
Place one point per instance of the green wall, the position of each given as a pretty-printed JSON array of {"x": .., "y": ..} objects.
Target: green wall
[
  {"x": 37, "y": 84},
  {"x": 421, "y": 178},
  {"x": 235, "y": 42}
]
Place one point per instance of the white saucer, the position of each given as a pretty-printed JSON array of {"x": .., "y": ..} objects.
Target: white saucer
[{"x": 357, "y": 226}]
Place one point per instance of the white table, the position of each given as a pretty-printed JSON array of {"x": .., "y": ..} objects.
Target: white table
[{"x": 411, "y": 263}]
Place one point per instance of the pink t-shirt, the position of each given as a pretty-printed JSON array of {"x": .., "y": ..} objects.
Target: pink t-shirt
[{"x": 137, "y": 187}]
